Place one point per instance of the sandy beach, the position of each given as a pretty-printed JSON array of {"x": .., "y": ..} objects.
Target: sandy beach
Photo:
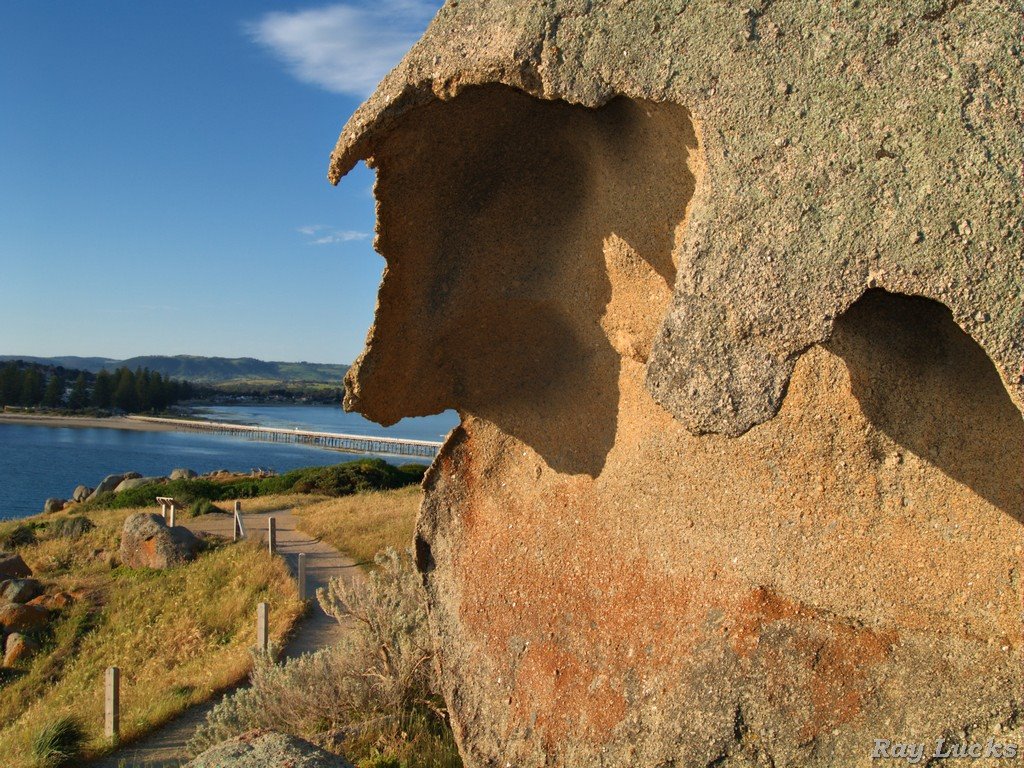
[{"x": 83, "y": 422}]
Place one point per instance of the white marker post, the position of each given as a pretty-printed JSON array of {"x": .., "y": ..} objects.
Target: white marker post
[
  {"x": 112, "y": 704},
  {"x": 263, "y": 627}
]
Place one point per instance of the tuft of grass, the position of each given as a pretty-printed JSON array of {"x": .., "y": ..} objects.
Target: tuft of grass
[
  {"x": 58, "y": 743},
  {"x": 203, "y": 507},
  {"x": 364, "y": 524}
]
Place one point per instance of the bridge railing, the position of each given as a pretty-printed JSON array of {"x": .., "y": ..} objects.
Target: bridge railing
[{"x": 361, "y": 443}]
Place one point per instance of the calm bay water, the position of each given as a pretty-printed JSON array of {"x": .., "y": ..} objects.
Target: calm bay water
[{"x": 37, "y": 462}]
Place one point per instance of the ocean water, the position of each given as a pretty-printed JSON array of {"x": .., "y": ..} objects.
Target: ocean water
[
  {"x": 38, "y": 462},
  {"x": 327, "y": 418}
]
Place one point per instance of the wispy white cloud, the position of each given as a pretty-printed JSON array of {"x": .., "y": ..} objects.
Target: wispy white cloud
[
  {"x": 345, "y": 48},
  {"x": 320, "y": 234}
]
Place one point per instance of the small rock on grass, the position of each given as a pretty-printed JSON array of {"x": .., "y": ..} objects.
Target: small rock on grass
[
  {"x": 12, "y": 566},
  {"x": 23, "y": 618},
  {"x": 17, "y": 648},
  {"x": 20, "y": 590}
]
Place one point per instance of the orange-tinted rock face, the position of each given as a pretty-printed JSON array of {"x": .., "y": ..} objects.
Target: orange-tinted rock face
[
  {"x": 612, "y": 581},
  {"x": 846, "y": 571}
]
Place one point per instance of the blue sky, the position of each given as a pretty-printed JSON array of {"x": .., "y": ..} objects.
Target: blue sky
[{"x": 163, "y": 176}]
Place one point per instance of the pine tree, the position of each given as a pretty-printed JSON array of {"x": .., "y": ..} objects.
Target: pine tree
[
  {"x": 32, "y": 388},
  {"x": 103, "y": 391},
  {"x": 79, "y": 397},
  {"x": 10, "y": 384},
  {"x": 125, "y": 396},
  {"x": 53, "y": 397},
  {"x": 143, "y": 391}
]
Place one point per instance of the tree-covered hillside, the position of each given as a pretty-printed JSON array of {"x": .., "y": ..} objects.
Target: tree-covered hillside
[{"x": 204, "y": 370}]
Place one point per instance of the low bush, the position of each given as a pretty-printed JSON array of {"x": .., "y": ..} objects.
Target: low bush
[
  {"x": 373, "y": 697},
  {"x": 58, "y": 743}
]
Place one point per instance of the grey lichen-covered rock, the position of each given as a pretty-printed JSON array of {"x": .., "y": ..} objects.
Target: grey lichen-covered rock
[
  {"x": 182, "y": 474},
  {"x": 729, "y": 300},
  {"x": 147, "y": 542},
  {"x": 53, "y": 505},
  {"x": 81, "y": 493},
  {"x": 267, "y": 749},
  {"x": 137, "y": 482},
  {"x": 73, "y": 527},
  {"x": 20, "y": 590},
  {"x": 109, "y": 483}
]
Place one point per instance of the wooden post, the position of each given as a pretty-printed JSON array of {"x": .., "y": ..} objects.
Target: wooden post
[
  {"x": 171, "y": 523},
  {"x": 271, "y": 534},
  {"x": 112, "y": 704},
  {"x": 236, "y": 527},
  {"x": 263, "y": 627},
  {"x": 163, "y": 510},
  {"x": 302, "y": 576}
]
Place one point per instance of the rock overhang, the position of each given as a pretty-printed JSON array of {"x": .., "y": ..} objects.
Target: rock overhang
[{"x": 868, "y": 145}]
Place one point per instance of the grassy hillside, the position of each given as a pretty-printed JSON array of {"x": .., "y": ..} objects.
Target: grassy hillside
[
  {"x": 205, "y": 370},
  {"x": 178, "y": 635}
]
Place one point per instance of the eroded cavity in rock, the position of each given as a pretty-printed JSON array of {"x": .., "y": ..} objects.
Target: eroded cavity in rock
[{"x": 504, "y": 221}]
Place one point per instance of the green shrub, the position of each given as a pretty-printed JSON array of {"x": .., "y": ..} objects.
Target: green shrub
[
  {"x": 18, "y": 535},
  {"x": 73, "y": 527},
  {"x": 381, "y": 760},
  {"x": 352, "y": 477},
  {"x": 203, "y": 507},
  {"x": 58, "y": 743},
  {"x": 337, "y": 480}
]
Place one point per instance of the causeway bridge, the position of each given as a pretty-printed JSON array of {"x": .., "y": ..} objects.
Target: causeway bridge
[{"x": 388, "y": 446}]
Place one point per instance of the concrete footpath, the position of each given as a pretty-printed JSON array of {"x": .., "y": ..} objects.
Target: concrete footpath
[{"x": 165, "y": 747}]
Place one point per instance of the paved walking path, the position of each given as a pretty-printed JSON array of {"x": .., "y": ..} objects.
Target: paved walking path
[{"x": 165, "y": 747}]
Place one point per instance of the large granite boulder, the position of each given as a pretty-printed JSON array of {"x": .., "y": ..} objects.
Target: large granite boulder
[
  {"x": 53, "y": 505},
  {"x": 182, "y": 474},
  {"x": 12, "y": 566},
  {"x": 147, "y": 542},
  {"x": 729, "y": 300},
  {"x": 81, "y": 493},
  {"x": 108, "y": 484},
  {"x": 267, "y": 749}
]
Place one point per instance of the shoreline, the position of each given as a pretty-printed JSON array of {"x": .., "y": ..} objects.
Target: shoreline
[{"x": 83, "y": 422}]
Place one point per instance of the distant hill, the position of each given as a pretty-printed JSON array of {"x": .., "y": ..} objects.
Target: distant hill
[{"x": 204, "y": 370}]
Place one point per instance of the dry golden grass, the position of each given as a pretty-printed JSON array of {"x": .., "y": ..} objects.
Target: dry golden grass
[
  {"x": 177, "y": 635},
  {"x": 365, "y": 523},
  {"x": 273, "y": 503}
]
